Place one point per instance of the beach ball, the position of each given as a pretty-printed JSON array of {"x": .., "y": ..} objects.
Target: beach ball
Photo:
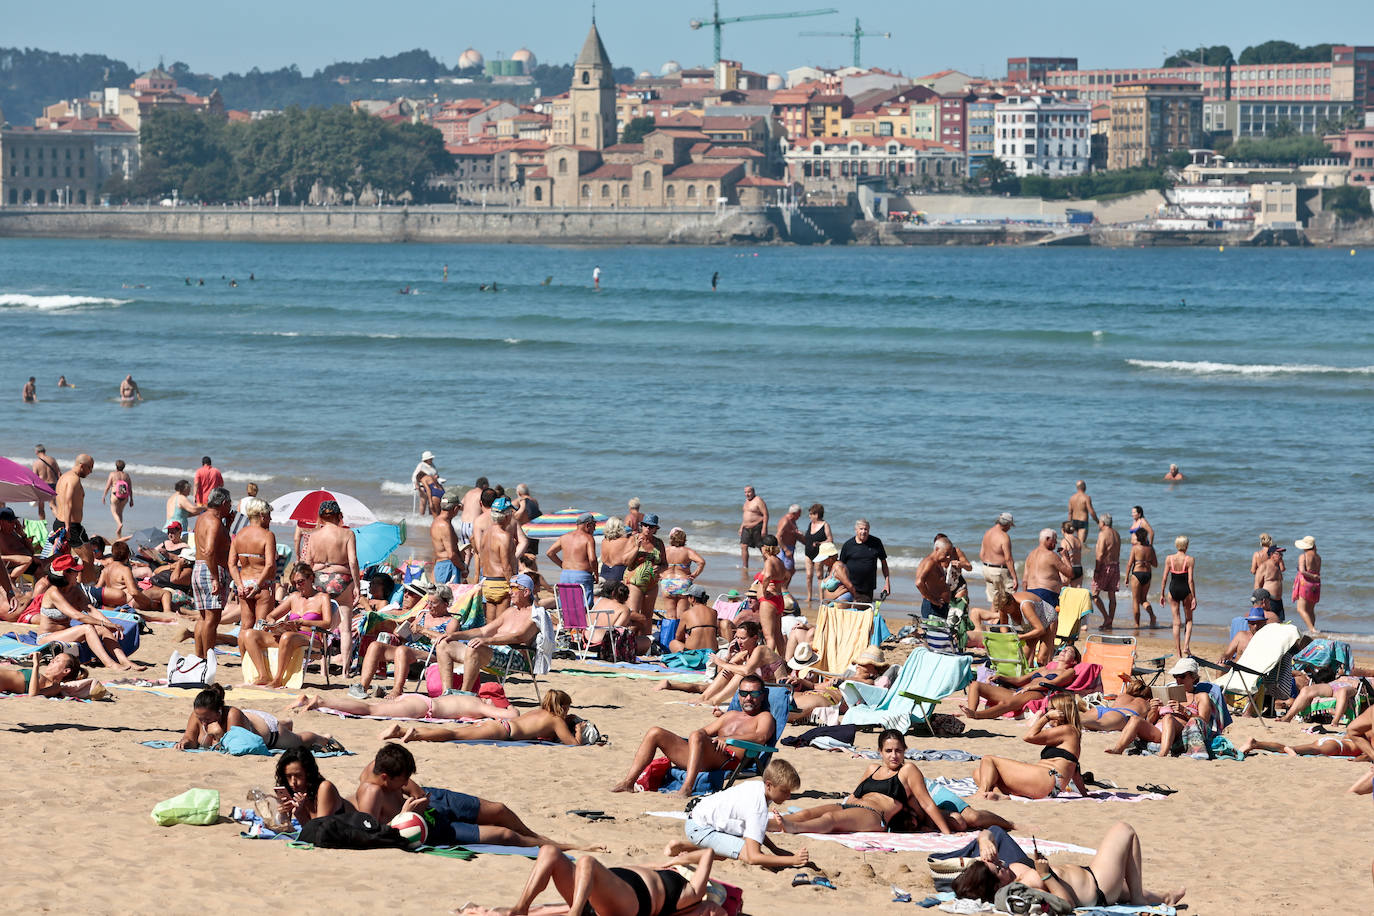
[{"x": 412, "y": 827}]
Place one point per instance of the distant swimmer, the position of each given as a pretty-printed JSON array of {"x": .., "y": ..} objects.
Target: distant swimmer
[
  {"x": 63, "y": 383},
  {"x": 202, "y": 282},
  {"x": 403, "y": 291},
  {"x": 715, "y": 278},
  {"x": 251, "y": 278},
  {"x": 128, "y": 390},
  {"x": 233, "y": 283},
  {"x": 31, "y": 391},
  {"x": 494, "y": 287},
  {"x": 481, "y": 287},
  {"x": 445, "y": 273},
  {"x": 188, "y": 281},
  {"x": 1174, "y": 473},
  {"x": 547, "y": 280},
  {"x": 596, "y": 277}
]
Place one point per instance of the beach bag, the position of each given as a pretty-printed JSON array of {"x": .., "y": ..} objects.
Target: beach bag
[
  {"x": 1324, "y": 657},
  {"x": 190, "y": 670},
  {"x": 617, "y": 645},
  {"x": 654, "y": 775},
  {"x": 242, "y": 742},
  {"x": 1018, "y": 898},
  {"x": 194, "y": 806},
  {"x": 351, "y": 830}
]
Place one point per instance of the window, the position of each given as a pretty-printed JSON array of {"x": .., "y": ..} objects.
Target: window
[
  {"x": 562, "y": 166},
  {"x": 672, "y": 191},
  {"x": 67, "y": 153},
  {"x": 710, "y": 192},
  {"x": 40, "y": 171},
  {"x": 68, "y": 173},
  {"x": 26, "y": 171},
  {"x": 625, "y": 191},
  {"x": 40, "y": 195},
  {"x": 648, "y": 183},
  {"x": 40, "y": 152},
  {"x": 585, "y": 116},
  {"x": 605, "y": 192},
  {"x": 27, "y": 195},
  {"x": 586, "y": 192},
  {"x": 586, "y": 77},
  {"x": 81, "y": 197},
  {"x": 691, "y": 192},
  {"x": 538, "y": 194}
]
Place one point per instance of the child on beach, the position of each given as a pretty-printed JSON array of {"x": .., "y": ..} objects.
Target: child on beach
[{"x": 732, "y": 823}]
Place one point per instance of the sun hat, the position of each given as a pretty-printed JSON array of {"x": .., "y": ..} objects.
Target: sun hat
[
  {"x": 427, "y": 456},
  {"x": 871, "y": 655},
  {"x": 803, "y": 657},
  {"x": 826, "y": 551},
  {"x": 1307, "y": 543},
  {"x": 1184, "y": 666},
  {"x": 650, "y": 521},
  {"x": 1256, "y": 615},
  {"x": 67, "y": 563}
]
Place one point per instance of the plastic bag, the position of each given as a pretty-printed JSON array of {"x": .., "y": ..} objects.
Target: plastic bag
[{"x": 194, "y": 806}]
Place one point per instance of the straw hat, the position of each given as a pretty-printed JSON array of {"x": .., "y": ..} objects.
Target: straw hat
[
  {"x": 1307, "y": 543},
  {"x": 803, "y": 657},
  {"x": 871, "y": 655},
  {"x": 826, "y": 551}
]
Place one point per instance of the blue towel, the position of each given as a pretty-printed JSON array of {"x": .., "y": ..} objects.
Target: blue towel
[
  {"x": 163, "y": 745},
  {"x": 692, "y": 659}
]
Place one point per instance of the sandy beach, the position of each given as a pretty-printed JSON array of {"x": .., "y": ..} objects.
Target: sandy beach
[{"x": 81, "y": 785}]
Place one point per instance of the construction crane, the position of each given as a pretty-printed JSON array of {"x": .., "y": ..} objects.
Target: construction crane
[
  {"x": 715, "y": 22},
  {"x": 858, "y": 35}
]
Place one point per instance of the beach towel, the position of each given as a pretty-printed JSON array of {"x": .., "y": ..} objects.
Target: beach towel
[
  {"x": 164, "y": 745},
  {"x": 295, "y": 665},
  {"x": 840, "y": 636},
  {"x": 1087, "y": 677},
  {"x": 966, "y": 786},
  {"x": 688, "y": 659},
  {"x": 1074, "y": 605},
  {"x": 930, "y": 842},
  {"x": 933, "y": 675},
  {"x": 19, "y": 645}
]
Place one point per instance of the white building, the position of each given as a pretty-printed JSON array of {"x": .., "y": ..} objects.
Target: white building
[
  {"x": 819, "y": 162},
  {"x": 1043, "y": 135}
]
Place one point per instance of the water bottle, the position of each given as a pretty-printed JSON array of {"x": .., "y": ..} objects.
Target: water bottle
[{"x": 265, "y": 804}]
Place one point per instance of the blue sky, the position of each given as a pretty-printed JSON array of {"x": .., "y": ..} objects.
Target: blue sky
[{"x": 926, "y": 36}]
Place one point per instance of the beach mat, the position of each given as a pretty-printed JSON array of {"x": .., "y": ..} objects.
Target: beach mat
[
  {"x": 647, "y": 672},
  {"x": 158, "y": 688},
  {"x": 164, "y": 745},
  {"x": 965, "y": 786}
]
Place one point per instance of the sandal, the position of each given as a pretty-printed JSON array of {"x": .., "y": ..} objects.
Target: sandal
[
  {"x": 1157, "y": 789},
  {"x": 332, "y": 746}
]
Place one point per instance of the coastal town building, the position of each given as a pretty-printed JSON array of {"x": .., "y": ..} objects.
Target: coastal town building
[
  {"x": 1041, "y": 134},
  {"x": 1151, "y": 118},
  {"x": 155, "y": 89},
  {"x": 1244, "y": 119},
  {"x": 65, "y": 163},
  {"x": 840, "y": 163},
  {"x": 1356, "y": 145},
  {"x": 1033, "y": 71}
]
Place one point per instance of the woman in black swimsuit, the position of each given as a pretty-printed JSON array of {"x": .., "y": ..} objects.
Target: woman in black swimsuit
[
  {"x": 1113, "y": 877},
  {"x": 817, "y": 533},
  {"x": 1178, "y": 587},
  {"x": 633, "y": 891},
  {"x": 893, "y": 797},
  {"x": 1138, "y": 574}
]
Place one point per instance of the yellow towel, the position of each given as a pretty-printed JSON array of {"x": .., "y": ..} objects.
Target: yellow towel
[
  {"x": 841, "y": 634},
  {"x": 1074, "y": 605},
  {"x": 295, "y": 665}
]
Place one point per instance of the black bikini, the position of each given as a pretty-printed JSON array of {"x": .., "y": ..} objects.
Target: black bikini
[
  {"x": 891, "y": 788},
  {"x": 673, "y": 885},
  {"x": 1049, "y": 753}
]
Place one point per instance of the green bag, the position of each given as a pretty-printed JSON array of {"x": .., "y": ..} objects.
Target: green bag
[{"x": 194, "y": 806}]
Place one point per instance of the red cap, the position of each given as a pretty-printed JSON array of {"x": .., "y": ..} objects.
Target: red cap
[
  {"x": 174, "y": 526},
  {"x": 67, "y": 562}
]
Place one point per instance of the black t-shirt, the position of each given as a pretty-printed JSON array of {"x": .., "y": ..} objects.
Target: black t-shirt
[{"x": 861, "y": 562}]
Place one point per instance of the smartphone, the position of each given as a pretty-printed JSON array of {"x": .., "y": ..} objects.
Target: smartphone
[{"x": 283, "y": 793}]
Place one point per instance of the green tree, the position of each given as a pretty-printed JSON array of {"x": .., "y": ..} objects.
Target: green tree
[
  {"x": 1214, "y": 56},
  {"x": 1349, "y": 203},
  {"x": 637, "y": 130},
  {"x": 1285, "y": 52},
  {"x": 1278, "y": 151},
  {"x": 993, "y": 172},
  {"x": 1282, "y": 128}
]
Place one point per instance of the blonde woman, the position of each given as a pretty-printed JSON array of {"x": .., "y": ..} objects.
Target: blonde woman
[
  {"x": 1059, "y": 732},
  {"x": 616, "y": 550},
  {"x": 253, "y": 564},
  {"x": 1177, "y": 585},
  {"x": 680, "y": 575},
  {"x": 1260, "y": 556}
]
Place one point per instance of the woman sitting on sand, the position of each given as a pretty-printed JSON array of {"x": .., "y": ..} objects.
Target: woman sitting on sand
[
  {"x": 64, "y": 614},
  {"x": 892, "y": 796},
  {"x": 44, "y": 677},
  {"x": 1178, "y": 727},
  {"x": 1036, "y": 685},
  {"x": 411, "y": 706},
  {"x": 1112, "y": 877},
  {"x": 1059, "y": 731},
  {"x": 748, "y": 655},
  {"x": 310, "y": 794},
  {"x": 289, "y": 627},
  {"x": 550, "y": 722},
  {"x": 1132, "y": 702},
  {"x": 1344, "y": 689},
  {"x": 211, "y": 718},
  {"x": 632, "y": 891}
]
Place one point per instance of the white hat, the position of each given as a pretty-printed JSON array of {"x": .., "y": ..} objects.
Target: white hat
[
  {"x": 826, "y": 551},
  {"x": 1307, "y": 543},
  {"x": 803, "y": 657},
  {"x": 1184, "y": 666},
  {"x": 427, "y": 456}
]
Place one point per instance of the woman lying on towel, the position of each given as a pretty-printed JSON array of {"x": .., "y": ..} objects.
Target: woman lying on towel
[
  {"x": 1036, "y": 685},
  {"x": 633, "y": 891},
  {"x": 411, "y": 706},
  {"x": 1059, "y": 731},
  {"x": 1112, "y": 877},
  {"x": 1179, "y": 728},
  {"x": 891, "y": 797},
  {"x": 749, "y": 655},
  {"x": 211, "y": 718},
  {"x": 550, "y": 722},
  {"x": 1132, "y": 703},
  {"x": 44, "y": 677},
  {"x": 309, "y": 794}
]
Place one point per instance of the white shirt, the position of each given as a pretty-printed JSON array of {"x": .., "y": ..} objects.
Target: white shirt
[
  {"x": 421, "y": 469},
  {"x": 741, "y": 811},
  {"x": 596, "y": 273}
]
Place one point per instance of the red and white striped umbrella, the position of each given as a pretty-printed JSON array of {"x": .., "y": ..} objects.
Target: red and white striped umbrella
[{"x": 304, "y": 506}]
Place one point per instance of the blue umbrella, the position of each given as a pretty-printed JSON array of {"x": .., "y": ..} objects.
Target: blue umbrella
[{"x": 377, "y": 541}]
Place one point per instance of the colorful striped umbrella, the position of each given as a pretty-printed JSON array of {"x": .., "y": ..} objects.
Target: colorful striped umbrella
[{"x": 557, "y": 524}]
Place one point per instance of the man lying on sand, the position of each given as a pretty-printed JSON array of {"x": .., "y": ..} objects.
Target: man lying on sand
[{"x": 705, "y": 749}]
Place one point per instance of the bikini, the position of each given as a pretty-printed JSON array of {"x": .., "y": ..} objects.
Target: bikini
[
  {"x": 673, "y": 885},
  {"x": 1057, "y": 753},
  {"x": 889, "y": 788},
  {"x": 1121, "y": 709}
]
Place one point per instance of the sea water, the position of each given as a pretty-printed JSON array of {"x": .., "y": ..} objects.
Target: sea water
[{"x": 923, "y": 389}]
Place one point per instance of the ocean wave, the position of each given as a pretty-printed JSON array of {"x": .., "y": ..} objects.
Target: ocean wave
[
  {"x": 1205, "y": 367},
  {"x": 157, "y": 470},
  {"x": 49, "y": 303},
  {"x": 396, "y": 488}
]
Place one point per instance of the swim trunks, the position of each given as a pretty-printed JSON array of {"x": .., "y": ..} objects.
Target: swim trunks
[
  {"x": 511, "y": 658},
  {"x": 75, "y": 533},
  {"x": 203, "y": 580},
  {"x": 1079, "y": 524},
  {"x": 578, "y": 577},
  {"x": 1106, "y": 578},
  {"x": 445, "y": 572},
  {"x": 1044, "y": 594},
  {"x": 495, "y": 589},
  {"x": 752, "y": 536},
  {"x": 788, "y": 557},
  {"x": 452, "y": 817},
  {"x": 930, "y": 609},
  {"x": 1077, "y": 573},
  {"x": 333, "y": 584}
]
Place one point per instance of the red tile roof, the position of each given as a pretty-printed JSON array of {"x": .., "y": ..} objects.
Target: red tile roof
[
  {"x": 611, "y": 171},
  {"x": 733, "y": 152},
  {"x": 703, "y": 170},
  {"x": 755, "y": 181},
  {"x": 624, "y": 148}
]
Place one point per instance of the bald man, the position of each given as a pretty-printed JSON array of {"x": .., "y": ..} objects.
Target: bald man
[{"x": 70, "y": 505}]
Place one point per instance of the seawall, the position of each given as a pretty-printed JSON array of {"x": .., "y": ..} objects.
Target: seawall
[{"x": 393, "y": 224}]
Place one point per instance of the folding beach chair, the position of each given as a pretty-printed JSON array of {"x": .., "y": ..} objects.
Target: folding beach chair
[
  {"x": 942, "y": 635},
  {"x": 1074, "y": 606},
  {"x": 1245, "y": 676},
  {"x": 1005, "y": 650},
  {"x": 925, "y": 679},
  {"x": 843, "y": 630},
  {"x": 572, "y": 613},
  {"x": 1116, "y": 657},
  {"x": 756, "y": 756}
]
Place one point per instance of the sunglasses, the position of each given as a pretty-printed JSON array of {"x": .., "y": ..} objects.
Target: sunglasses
[{"x": 752, "y": 693}]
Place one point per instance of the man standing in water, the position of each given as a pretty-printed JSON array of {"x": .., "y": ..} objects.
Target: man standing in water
[
  {"x": 423, "y": 470},
  {"x": 31, "y": 391},
  {"x": 128, "y": 390},
  {"x": 47, "y": 470},
  {"x": 1106, "y": 569},
  {"x": 999, "y": 569},
  {"x": 1080, "y": 508},
  {"x": 1269, "y": 576},
  {"x": 210, "y": 575},
  {"x": 596, "y": 277},
  {"x": 753, "y": 525},
  {"x": 208, "y": 478}
]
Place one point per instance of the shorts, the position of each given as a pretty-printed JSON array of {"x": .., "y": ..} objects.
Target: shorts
[
  {"x": 930, "y": 609},
  {"x": 722, "y": 844},
  {"x": 1079, "y": 524},
  {"x": 452, "y": 817},
  {"x": 578, "y": 577},
  {"x": 1106, "y": 578},
  {"x": 94, "y": 593},
  {"x": 203, "y": 587},
  {"x": 333, "y": 584},
  {"x": 996, "y": 580},
  {"x": 753, "y": 536},
  {"x": 1276, "y": 607},
  {"x": 76, "y": 535},
  {"x": 1077, "y": 573},
  {"x": 464, "y": 532},
  {"x": 1045, "y": 595},
  {"x": 495, "y": 590},
  {"x": 789, "y": 558},
  {"x": 445, "y": 572},
  {"x": 511, "y": 659}
]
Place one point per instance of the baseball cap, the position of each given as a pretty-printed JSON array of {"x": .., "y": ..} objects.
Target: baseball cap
[
  {"x": 7, "y": 515},
  {"x": 451, "y": 499},
  {"x": 697, "y": 592},
  {"x": 502, "y": 504},
  {"x": 1184, "y": 666},
  {"x": 524, "y": 582},
  {"x": 1006, "y": 519},
  {"x": 585, "y": 517},
  {"x": 174, "y": 526}
]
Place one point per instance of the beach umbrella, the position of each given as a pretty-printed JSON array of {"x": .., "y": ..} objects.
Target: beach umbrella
[
  {"x": 304, "y": 506},
  {"x": 20, "y": 485},
  {"x": 146, "y": 537},
  {"x": 377, "y": 541},
  {"x": 557, "y": 524}
]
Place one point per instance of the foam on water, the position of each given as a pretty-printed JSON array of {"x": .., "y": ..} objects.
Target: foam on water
[
  {"x": 1205, "y": 367},
  {"x": 155, "y": 470},
  {"x": 51, "y": 303}
]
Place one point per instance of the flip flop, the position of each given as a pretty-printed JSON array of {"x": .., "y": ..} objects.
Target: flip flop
[{"x": 1157, "y": 789}]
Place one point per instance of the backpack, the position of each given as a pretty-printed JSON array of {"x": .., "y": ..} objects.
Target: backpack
[
  {"x": 351, "y": 830},
  {"x": 1324, "y": 660}
]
